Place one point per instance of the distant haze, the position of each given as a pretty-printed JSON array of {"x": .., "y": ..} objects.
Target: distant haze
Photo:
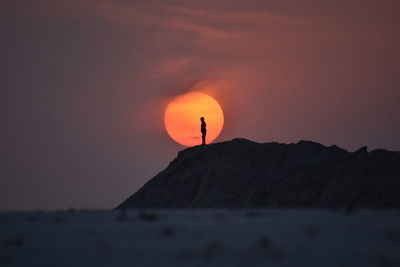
[{"x": 84, "y": 85}]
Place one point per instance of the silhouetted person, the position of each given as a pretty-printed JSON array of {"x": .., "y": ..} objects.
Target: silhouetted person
[{"x": 203, "y": 131}]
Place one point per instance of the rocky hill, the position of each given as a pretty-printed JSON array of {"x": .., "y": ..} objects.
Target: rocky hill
[{"x": 241, "y": 173}]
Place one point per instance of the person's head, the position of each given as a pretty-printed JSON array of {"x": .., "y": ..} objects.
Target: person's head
[{"x": 202, "y": 118}]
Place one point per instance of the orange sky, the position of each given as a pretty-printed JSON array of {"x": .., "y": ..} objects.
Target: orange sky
[{"x": 85, "y": 85}]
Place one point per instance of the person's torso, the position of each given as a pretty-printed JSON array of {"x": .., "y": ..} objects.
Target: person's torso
[{"x": 203, "y": 126}]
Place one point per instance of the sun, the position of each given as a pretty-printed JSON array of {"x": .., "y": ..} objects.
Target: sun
[{"x": 182, "y": 118}]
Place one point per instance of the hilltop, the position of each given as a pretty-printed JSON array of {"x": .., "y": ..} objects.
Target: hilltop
[{"x": 241, "y": 173}]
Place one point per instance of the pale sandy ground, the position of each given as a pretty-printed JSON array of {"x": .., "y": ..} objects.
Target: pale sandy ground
[{"x": 274, "y": 237}]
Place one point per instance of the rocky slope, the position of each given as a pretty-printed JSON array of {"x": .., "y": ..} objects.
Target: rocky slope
[{"x": 241, "y": 173}]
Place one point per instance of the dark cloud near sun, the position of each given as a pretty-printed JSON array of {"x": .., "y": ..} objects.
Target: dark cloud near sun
[{"x": 84, "y": 85}]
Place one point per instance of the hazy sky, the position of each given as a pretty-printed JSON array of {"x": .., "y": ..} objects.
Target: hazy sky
[{"x": 84, "y": 85}]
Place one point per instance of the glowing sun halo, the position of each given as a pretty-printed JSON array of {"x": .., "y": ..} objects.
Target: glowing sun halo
[{"x": 182, "y": 118}]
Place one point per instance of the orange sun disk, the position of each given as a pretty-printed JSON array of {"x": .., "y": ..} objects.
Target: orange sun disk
[{"x": 182, "y": 118}]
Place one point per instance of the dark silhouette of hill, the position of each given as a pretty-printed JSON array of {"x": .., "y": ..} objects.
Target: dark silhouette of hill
[{"x": 242, "y": 173}]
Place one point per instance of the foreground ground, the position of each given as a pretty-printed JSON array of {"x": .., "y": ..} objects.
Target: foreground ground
[{"x": 274, "y": 237}]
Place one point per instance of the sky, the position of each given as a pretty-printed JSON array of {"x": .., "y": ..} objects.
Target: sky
[{"x": 84, "y": 85}]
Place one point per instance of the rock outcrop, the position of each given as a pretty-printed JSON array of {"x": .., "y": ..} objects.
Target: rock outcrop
[{"x": 241, "y": 173}]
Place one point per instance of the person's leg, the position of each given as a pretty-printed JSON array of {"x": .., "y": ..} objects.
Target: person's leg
[{"x": 203, "y": 138}]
